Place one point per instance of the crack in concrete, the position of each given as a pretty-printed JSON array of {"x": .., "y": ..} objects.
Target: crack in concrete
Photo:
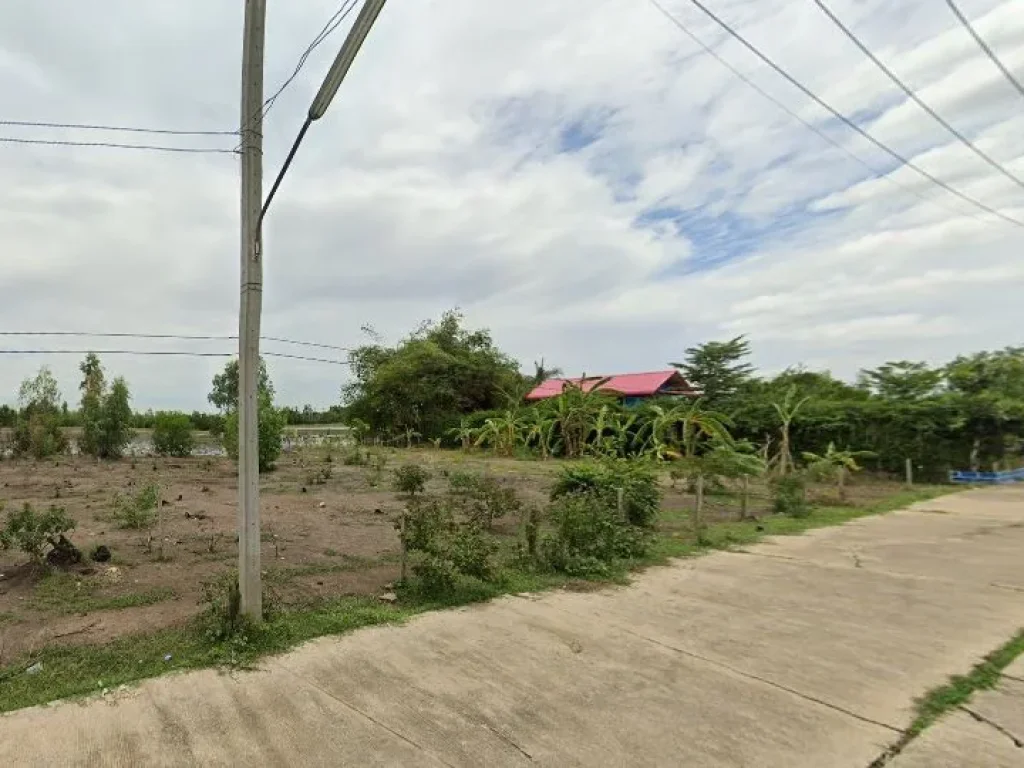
[
  {"x": 766, "y": 681},
  {"x": 366, "y": 715},
  {"x": 994, "y": 725}
]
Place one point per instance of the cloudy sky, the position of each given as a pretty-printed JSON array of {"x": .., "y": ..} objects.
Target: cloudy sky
[{"x": 576, "y": 175}]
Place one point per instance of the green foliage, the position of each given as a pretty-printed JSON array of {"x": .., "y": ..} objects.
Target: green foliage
[
  {"x": 136, "y": 510},
  {"x": 446, "y": 546},
  {"x": 106, "y": 413},
  {"x": 38, "y": 429},
  {"x": 222, "y": 618},
  {"x": 271, "y": 425},
  {"x": 172, "y": 434},
  {"x": 483, "y": 498},
  {"x": 428, "y": 381},
  {"x": 355, "y": 457},
  {"x": 410, "y": 479},
  {"x": 638, "y": 481},
  {"x": 789, "y": 495},
  {"x": 588, "y": 536},
  {"x": 717, "y": 369},
  {"x": 34, "y": 532},
  {"x": 224, "y": 393}
]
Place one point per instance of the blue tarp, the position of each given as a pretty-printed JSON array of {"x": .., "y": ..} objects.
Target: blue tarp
[{"x": 1009, "y": 476}]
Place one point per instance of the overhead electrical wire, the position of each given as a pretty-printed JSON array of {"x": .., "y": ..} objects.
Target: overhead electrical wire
[
  {"x": 162, "y": 353},
  {"x": 114, "y": 128},
  {"x": 985, "y": 47},
  {"x": 810, "y": 126},
  {"x": 175, "y": 336},
  {"x": 844, "y": 119},
  {"x": 914, "y": 97},
  {"x": 115, "y": 145},
  {"x": 329, "y": 27}
]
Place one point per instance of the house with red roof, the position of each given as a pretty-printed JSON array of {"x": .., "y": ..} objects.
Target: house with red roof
[{"x": 633, "y": 388}]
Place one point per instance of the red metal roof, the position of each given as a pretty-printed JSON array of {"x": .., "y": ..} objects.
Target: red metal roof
[{"x": 625, "y": 384}]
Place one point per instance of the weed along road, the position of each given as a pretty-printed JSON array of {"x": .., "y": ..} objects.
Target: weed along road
[{"x": 826, "y": 649}]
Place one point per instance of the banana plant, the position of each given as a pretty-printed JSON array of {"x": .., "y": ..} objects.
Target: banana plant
[
  {"x": 787, "y": 410},
  {"x": 835, "y": 462}
]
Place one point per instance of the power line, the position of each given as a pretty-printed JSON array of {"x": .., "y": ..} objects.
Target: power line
[
  {"x": 125, "y": 129},
  {"x": 175, "y": 336},
  {"x": 985, "y": 47},
  {"x": 847, "y": 121},
  {"x": 114, "y": 145},
  {"x": 914, "y": 97},
  {"x": 810, "y": 126},
  {"x": 332, "y": 24},
  {"x": 161, "y": 353}
]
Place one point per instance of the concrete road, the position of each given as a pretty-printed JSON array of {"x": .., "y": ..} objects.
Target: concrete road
[{"x": 801, "y": 651}]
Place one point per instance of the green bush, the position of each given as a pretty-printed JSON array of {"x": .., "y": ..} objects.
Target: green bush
[
  {"x": 271, "y": 425},
  {"x": 38, "y": 434},
  {"x": 136, "y": 511},
  {"x": 483, "y": 498},
  {"x": 445, "y": 547},
  {"x": 789, "y": 495},
  {"x": 172, "y": 434},
  {"x": 410, "y": 479},
  {"x": 588, "y": 536},
  {"x": 638, "y": 481},
  {"x": 33, "y": 533}
]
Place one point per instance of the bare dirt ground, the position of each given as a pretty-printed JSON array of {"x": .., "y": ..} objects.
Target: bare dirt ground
[{"x": 323, "y": 536}]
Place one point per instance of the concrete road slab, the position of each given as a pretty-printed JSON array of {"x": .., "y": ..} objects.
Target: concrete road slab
[{"x": 959, "y": 741}]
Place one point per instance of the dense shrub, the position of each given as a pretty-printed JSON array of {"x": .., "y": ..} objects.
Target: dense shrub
[
  {"x": 410, "y": 479},
  {"x": 172, "y": 434},
  {"x": 588, "y": 536},
  {"x": 483, "y": 498},
  {"x": 34, "y": 533},
  {"x": 638, "y": 481},
  {"x": 445, "y": 547},
  {"x": 271, "y": 425},
  {"x": 789, "y": 495}
]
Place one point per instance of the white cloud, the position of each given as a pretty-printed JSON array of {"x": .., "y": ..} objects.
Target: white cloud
[{"x": 502, "y": 160}]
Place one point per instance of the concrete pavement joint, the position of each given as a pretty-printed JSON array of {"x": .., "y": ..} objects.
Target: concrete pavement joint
[
  {"x": 993, "y": 724},
  {"x": 365, "y": 715},
  {"x": 772, "y": 683}
]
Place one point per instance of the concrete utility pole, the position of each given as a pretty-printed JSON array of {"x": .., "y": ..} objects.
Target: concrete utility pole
[{"x": 250, "y": 305}]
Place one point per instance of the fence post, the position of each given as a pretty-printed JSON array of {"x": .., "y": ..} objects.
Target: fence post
[
  {"x": 745, "y": 499},
  {"x": 620, "y": 494},
  {"x": 698, "y": 510},
  {"x": 910, "y": 472},
  {"x": 402, "y": 534}
]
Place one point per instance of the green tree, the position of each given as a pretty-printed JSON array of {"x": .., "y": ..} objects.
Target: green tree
[
  {"x": 38, "y": 431},
  {"x": 271, "y": 425},
  {"x": 834, "y": 463},
  {"x": 172, "y": 434},
  {"x": 115, "y": 431},
  {"x": 224, "y": 394},
  {"x": 429, "y": 380},
  {"x": 902, "y": 380},
  {"x": 718, "y": 369},
  {"x": 93, "y": 388}
]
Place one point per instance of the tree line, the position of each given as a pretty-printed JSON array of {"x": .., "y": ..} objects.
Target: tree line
[{"x": 452, "y": 386}]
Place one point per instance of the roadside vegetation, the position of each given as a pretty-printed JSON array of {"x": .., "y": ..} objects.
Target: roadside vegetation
[{"x": 448, "y": 489}]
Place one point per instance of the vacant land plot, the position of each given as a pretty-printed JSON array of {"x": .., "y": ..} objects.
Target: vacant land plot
[{"x": 328, "y": 530}]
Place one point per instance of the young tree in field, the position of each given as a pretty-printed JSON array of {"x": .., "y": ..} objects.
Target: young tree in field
[
  {"x": 93, "y": 389},
  {"x": 38, "y": 429},
  {"x": 115, "y": 421},
  {"x": 224, "y": 394},
  {"x": 271, "y": 425},
  {"x": 575, "y": 412},
  {"x": 717, "y": 368},
  {"x": 834, "y": 463},
  {"x": 787, "y": 410}
]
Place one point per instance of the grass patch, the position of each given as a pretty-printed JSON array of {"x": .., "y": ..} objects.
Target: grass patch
[
  {"x": 82, "y": 670},
  {"x": 960, "y": 688},
  {"x": 63, "y": 594},
  {"x": 7, "y": 617}
]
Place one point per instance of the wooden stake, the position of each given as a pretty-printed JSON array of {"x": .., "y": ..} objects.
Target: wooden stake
[
  {"x": 910, "y": 472},
  {"x": 404, "y": 553},
  {"x": 745, "y": 499}
]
